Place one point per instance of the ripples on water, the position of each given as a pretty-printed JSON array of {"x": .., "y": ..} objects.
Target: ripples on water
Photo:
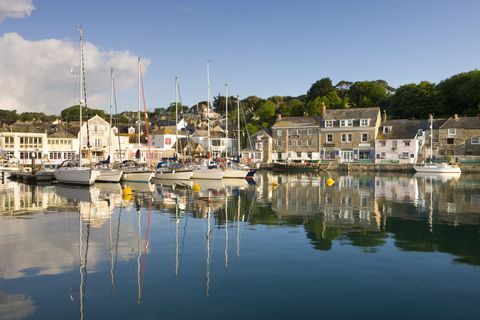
[{"x": 289, "y": 246}]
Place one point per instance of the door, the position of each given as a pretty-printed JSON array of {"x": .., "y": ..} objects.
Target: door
[{"x": 347, "y": 156}]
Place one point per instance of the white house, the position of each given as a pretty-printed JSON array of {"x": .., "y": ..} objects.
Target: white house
[
  {"x": 261, "y": 148},
  {"x": 24, "y": 145},
  {"x": 103, "y": 140},
  {"x": 62, "y": 146},
  {"x": 165, "y": 138},
  {"x": 219, "y": 143},
  {"x": 400, "y": 141}
]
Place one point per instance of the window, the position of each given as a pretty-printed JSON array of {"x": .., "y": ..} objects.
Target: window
[
  {"x": 309, "y": 155},
  {"x": 329, "y": 137},
  {"x": 452, "y": 131},
  {"x": 450, "y": 141},
  {"x": 289, "y": 143},
  {"x": 364, "y": 122},
  {"x": 299, "y": 143},
  {"x": 387, "y": 129},
  {"x": 346, "y": 137},
  {"x": 363, "y": 154},
  {"x": 309, "y": 143},
  {"x": 299, "y": 154},
  {"x": 475, "y": 140},
  {"x": 394, "y": 144},
  {"x": 328, "y": 123},
  {"x": 364, "y": 137},
  {"x": 346, "y": 123},
  {"x": 279, "y": 143},
  {"x": 382, "y": 143},
  {"x": 9, "y": 142},
  {"x": 299, "y": 132},
  {"x": 279, "y": 133},
  {"x": 259, "y": 146},
  {"x": 309, "y": 131},
  {"x": 97, "y": 143},
  {"x": 405, "y": 155},
  {"x": 407, "y": 143},
  {"x": 329, "y": 154}
]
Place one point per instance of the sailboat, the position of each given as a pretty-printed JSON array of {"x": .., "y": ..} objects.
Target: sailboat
[
  {"x": 208, "y": 169},
  {"x": 235, "y": 169},
  {"x": 174, "y": 170},
  {"x": 71, "y": 172},
  {"x": 107, "y": 174},
  {"x": 430, "y": 167},
  {"x": 132, "y": 171}
]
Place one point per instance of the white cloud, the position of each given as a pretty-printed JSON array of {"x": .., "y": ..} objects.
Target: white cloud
[
  {"x": 36, "y": 74},
  {"x": 15, "y": 9}
]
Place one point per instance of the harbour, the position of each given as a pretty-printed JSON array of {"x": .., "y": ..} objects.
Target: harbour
[{"x": 120, "y": 249}]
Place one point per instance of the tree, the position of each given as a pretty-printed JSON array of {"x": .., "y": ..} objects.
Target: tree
[
  {"x": 72, "y": 113},
  {"x": 266, "y": 111},
  {"x": 369, "y": 93},
  {"x": 8, "y": 116},
  {"x": 320, "y": 88},
  {"x": 461, "y": 93},
  {"x": 38, "y": 116},
  {"x": 416, "y": 101},
  {"x": 296, "y": 107}
]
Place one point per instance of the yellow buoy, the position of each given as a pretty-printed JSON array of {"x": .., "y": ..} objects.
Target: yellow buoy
[
  {"x": 330, "y": 182},
  {"x": 196, "y": 187},
  {"x": 127, "y": 193},
  {"x": 274, "y": 184}
]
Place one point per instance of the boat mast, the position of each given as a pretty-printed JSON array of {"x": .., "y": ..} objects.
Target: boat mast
[
  {"x": 110, "y": 131},
  {"x": 208, "y": 107},
  {"x": 431, "y": 138},
  {"x": 80, "y": 29},
  {"x": 138, "y": 103},
  {"x": 238, "y": 127},
  {"x": 226, "y": 121},
  {"x": 176, "y": 116}
]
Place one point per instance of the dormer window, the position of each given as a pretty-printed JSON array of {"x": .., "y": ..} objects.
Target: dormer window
[
  {"x": 387, "y": 129},
  {"x": 364, "y": 122},
  {"x": 452, "y": 131},
  {"x": 328, "y": 123},
  {"x": 346, "y": 123}
]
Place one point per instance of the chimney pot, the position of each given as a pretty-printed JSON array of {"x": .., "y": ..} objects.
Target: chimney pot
[
  {"x": 384, "y": 115},
  {"x": 456, "y": 116},
  {"x": 279, "y": 116}
]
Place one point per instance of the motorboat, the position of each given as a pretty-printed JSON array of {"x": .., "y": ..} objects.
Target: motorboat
[
  {"x": 70, "y": 173},
  {"x": 173, "y": 171}
]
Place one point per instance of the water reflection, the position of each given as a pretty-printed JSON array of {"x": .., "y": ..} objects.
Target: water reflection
[{"x": 137, "y": 238}]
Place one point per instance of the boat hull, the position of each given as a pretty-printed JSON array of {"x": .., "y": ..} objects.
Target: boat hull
[
  {"x": 235, "y": 173},
  {"x": 137, "y": 176},
  {"x": 109, "y": 175},
  {"x": 210, "y": 174},
  {"x": 76, "y": 175},
  {"x": 173, "y": 175},
  {"x": 437, "y": 169}
]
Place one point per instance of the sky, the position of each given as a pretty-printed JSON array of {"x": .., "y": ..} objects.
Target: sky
[{"x": 258, "y": 47}]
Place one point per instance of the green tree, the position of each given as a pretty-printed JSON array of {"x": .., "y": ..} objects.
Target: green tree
[
  {"x": 461, "y": 93},
  {"x": 266, "y": 111},
  {"x": 72, "y": 113},
  {"x": 8, "y": 116},
  {"x": 296, "y": 107},
  {"x": 38, "y": 116},
  {"x": 416, "y": 101},
  {"x": 369, "y": 93},
  {"x": 320, "y": 88}
]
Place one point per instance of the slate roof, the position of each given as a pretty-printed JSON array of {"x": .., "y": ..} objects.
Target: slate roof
[
  {"x": 297, "y": 122},
  {"x": 353, "y": 113},
  {"x": 462, "y": 123}
]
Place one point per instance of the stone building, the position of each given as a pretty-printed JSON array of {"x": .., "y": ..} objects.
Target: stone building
[
  {"x": 296, "y": 139},
  {"x": 348, "y": 135},
  {"x": 459, "y": 139}
]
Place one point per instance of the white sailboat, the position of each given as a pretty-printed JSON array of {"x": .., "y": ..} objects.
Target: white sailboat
[
  {"x": 70, "y": 172},
  {"x": 208, "y": 169},
  {"x": 441, "y": 168},
  {"x": 131, "y": 170},
  {"x": 107, "y": 174},
  {"x": 233, "y": 169},
  {"x": 174, "y": 170}
]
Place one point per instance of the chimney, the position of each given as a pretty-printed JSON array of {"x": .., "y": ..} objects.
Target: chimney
[
  {"x": 279, "y": 117},
  {"x": 384, "y": 115},
  {"x": 324, "y": 108},
  {"x": 456, "y": 116}
]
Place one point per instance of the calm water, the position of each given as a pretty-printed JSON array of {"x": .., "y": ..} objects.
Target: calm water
[{"x": 390, "y": 246}]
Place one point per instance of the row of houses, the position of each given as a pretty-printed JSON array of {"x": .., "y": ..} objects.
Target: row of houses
[{"x": 365, "y": 135}]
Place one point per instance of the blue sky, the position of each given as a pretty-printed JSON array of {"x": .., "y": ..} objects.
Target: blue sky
[{"x": 267, "y": 48}]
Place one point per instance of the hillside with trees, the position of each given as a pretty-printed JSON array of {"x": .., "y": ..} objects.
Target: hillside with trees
[{"x": 458, "y": 94}]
